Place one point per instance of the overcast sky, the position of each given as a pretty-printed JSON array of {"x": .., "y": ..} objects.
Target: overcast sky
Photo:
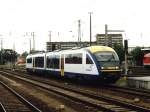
[{"x": 61, "y": 17}]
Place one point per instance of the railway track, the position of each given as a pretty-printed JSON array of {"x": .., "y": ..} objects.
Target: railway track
[
  {"x": 2, "y": 109},
  {"x": 11, "y": 101},
  {"x": 128, "y": 90},
  {"x": 92, "y": 100},
  {"x": 132, "y": 91}
]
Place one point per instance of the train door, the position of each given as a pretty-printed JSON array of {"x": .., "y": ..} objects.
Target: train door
[
  {"x": 33, "y": 64},
  {"x": 62, "y": 65},
  {"x": 89, "y": 65}
]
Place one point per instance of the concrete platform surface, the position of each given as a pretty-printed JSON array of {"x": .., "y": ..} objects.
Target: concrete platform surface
[{"x": 139, "y": 82}]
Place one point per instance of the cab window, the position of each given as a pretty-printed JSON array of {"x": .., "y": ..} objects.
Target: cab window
[{"x": 88, "y": 59}]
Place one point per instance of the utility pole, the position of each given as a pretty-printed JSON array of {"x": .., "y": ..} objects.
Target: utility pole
[
  {"x": 58, "y": 34},
  {"x": 13, "y": 56},
  {"x": 30, "y": 44},
  {"x": 106, "y": 34},
  {"x": 79, "y": 32},
  {"x": 126, "y": 56},
  {"x": 50, "y": 36},
  {"x": 141, "y": 35},
  {"x": 1, "y": 43},
  {"x": 29, "y": 35},
  {"x": 14, "y": 46},
  {"x": 33, "y": 41},
  {"x": 90, "y": 27}
]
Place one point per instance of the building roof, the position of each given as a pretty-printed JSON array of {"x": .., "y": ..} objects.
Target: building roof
[{"x": 113, "y": 35}]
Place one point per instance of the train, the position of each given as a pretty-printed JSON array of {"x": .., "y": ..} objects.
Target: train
[
  {"x": 88, "y": 63},
  {"x": 146, "y": 60}
]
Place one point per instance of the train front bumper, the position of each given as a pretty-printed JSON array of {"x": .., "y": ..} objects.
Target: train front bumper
[{"x": 108, "y": 72}]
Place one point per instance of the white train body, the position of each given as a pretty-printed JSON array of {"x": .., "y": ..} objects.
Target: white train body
[{"x": 95, "y": 62}]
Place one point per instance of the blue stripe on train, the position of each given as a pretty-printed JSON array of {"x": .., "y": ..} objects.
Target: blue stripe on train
[
  {"x": 98, "y": 66},
  {"x": 85, "y": 76},
  {"x": 73, "y": 75},
  {"x": 67, "y": 74},
  {"x": 54, "y": 73}
]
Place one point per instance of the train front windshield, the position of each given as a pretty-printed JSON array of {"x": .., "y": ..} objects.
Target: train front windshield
[{"x": 107, "y": 59}]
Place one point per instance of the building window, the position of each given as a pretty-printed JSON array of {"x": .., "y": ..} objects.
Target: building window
[{"x": 73, "y": 58}]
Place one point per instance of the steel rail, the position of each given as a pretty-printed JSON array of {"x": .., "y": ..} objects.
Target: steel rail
[
  {"x": 21, "y": 98},
  {"x": 2, "y": 109},
  {"x": 113, "y": 101},
  {"x": 133, "y": 91}
]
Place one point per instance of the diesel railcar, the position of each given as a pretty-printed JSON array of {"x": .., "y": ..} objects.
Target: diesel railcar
[
  {"x": 91, "y": 63},
  {"x": 146, "y": 60}
]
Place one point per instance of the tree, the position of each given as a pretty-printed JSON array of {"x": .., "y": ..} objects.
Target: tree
[
  {"x": 24, "y": 54},
  {"x": 8, "y": 55},
  {"x": 137, "y": 56},
  {"x": 120, "y": 51}
]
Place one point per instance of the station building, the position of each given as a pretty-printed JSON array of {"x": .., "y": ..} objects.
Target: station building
[
  {"x": 110, "y": 40},
  {"x": 50, "y": 46},
  {"x": 100, "y": 40}
]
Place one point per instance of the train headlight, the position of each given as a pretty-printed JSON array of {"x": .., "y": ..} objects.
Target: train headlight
[
  {"x": 117, "y": 67},
  {"x": 102, "y": 67}
]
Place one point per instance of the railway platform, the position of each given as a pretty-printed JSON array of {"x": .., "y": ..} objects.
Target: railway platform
[{"x": 139, "y": 82}]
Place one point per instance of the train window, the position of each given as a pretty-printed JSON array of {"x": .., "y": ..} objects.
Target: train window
[
  {"x": 53, "y": 62},
  {"x": 56, "y": 62},
  {"x": 29, "y": 60},
  {"x": 68, "y": 58},
  {"x": 50, "y": 61},
  {"x": 77, "y": 58},
  {"x": 88, "y": 60},
  {"x": 106, "y": 56},
  {"x": 39, "y": 62},
  {"x": 73, "y": 58}
]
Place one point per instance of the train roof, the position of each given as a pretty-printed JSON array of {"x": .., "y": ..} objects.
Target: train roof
[
  {"x": 36, "y": 54},
  {"x": 94, "y": 49},
  {"x": 147, "y": 55}
]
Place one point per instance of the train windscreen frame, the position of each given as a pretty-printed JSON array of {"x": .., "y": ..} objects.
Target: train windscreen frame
[{"x": 107, "y": 58}]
